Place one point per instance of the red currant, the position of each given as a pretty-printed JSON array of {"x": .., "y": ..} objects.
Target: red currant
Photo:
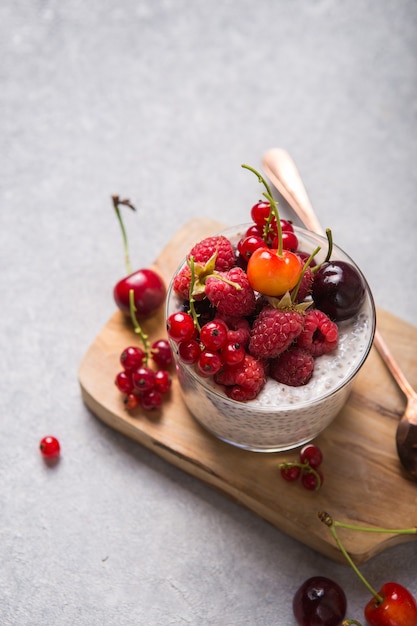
[
  {"x": 260, "y": 212},
  {"x": 232, "y": 353},
  {"x": 290, "y": 473},
  {"x": 312, "y": 480},
  {"x": 151, "y": 399},
  {"x": 162, "y": 381},
  {"x": 253, "y": 230},
  {"x": 131, "y": 401},
  {"x": 124, "y": 382},
  {"x": 311, "y": 454},
  {"x": 143, "y": 378},
  {"x": 214, "y": 335},
  {"x": 180, "y": 326},
  {"x": 289, "y": 241},
  {"x": 161, "y": 353},
  {"x": 189, "y": 351},
  {"x": 286, "y": 226},
  {"x": 247, "y": 246},
  {"x": 49, "y": 447},
  {"x": 132, "y": 357},
  {"x": 209, "y": 363}
]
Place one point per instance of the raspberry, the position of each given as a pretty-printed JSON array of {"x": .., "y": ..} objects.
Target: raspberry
[
  {"x": 293, "y": 367},
  {"x": 181, "y": 284},
  {"x": 243, "y": 381},
  {"x": 273, "y": 331},
  {"x": 237, "y": 299},
  {"x": 219, "y": 245},
  {"x": 320, "y": 335}
]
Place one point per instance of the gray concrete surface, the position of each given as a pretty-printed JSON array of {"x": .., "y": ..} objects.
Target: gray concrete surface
[{"x": 162, "y": 101}]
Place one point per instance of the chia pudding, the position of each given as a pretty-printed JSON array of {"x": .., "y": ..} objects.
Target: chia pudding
[{"x": 282, "y": 417}]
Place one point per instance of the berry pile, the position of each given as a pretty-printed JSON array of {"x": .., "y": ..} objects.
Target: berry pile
[
  {"x": 250, "y": 311},
  {"x": 307, "y": 468}
]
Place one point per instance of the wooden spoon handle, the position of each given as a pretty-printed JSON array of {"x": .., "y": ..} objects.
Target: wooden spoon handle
[{"x": 281, "y": 170}]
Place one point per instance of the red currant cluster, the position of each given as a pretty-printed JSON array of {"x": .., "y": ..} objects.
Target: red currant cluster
[
  {"x": 265, "y": 231},
  {"x": 210, "y": 348},
  {"x": 306, "y": 468},
  {"x": 141, "y": 384}
]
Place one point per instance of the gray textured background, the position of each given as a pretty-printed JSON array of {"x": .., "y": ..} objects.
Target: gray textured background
[{"x": 162, "y": 101}]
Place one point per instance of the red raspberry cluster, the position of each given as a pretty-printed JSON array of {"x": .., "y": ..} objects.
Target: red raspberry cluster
[
  {"x": 232, "y": 332},
  {"x": 141, "y": 384}
]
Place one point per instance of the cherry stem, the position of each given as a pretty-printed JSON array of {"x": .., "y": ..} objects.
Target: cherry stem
[
  {"x": 125, "y": 202},
  {"x": 328, "y": 520},
  {"x": 273, "y": 205},
  {"x": 136, "y": 325},
  {"x": 329, "y": 236},
  {"x": 303, "y": 271}
]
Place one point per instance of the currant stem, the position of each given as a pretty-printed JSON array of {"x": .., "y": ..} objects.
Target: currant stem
[
  {"x": 347, "y": 622},
  {"x": 126, "y": 202},
  {"x": 137, "y": 327},
  {"x": 305, "y": 467},
  {"x": 328, "y": 520}
]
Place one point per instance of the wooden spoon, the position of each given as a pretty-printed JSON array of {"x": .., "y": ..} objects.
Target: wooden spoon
[{"x": 281, "y": 170}]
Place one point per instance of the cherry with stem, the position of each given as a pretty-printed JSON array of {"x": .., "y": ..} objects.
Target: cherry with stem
[{"x": 393, "y": 605}]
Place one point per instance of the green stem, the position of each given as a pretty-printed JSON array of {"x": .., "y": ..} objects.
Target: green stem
[
  {"x": 116, "y": 202},
  {"x": 329, "y": 236},
  {"x": 303, "y": 271},
  {"x": 136, "y": 325},
  {"x": 347, "y": 622},
  {"x": 273, "y": 204},
  {"x": 370, "y": 529},
  {"x": 326, "y": 519},
  {"x": 193, "y": 312}
]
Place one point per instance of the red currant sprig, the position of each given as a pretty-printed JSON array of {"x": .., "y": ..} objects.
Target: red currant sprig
[
  {"x": 310, "y": 458},
  {"x": 141, "y": 384}
]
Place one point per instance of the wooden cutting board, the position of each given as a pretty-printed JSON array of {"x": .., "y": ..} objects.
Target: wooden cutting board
[{"x": 363, "y": 480}]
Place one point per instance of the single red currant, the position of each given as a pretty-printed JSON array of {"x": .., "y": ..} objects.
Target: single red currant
[
  {"x": 209, "y": 363},
  {"x": 189, "y": 351},
  {"x": 49, "y": 447},
  {"x": 132, "y": 357},
  {"x": 162, "y": 381},
  {"x": 151, "y": 399},
  {"x": 180, "y": 326},
  {"x": 143, "y": 378},
  {"x": 289, "y": 241},
  {"x": 232, "y": 353},
  {"x": 131, "y": 401},
  {"x": 311, "y": 454},
  {"x": 260, "y": 212},
  {"x": 213, "y": 335},
  {"x": 161, "y": 353},
  {"x": 124, "y": 382},
  {"x": 312, "y": 480},
  {"x": 247, "y": 246},
  {"x": 290, "y": 473}
]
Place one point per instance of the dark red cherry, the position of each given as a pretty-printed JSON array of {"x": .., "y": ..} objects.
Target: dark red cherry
[
  {"x": 338, "y": 290},
  {"x": 319, "y": 602},
  {"x": 149, "y": 292}
]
